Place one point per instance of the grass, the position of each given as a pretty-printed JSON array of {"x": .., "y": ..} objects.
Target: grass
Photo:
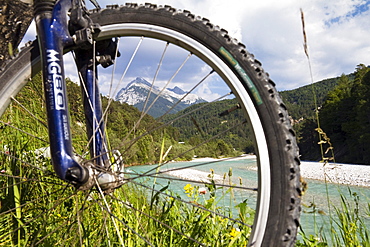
[
  {"x": 345, "y": 223},
  {"x": 162, "y": 220},
  {"x": 39, "y": 209}
]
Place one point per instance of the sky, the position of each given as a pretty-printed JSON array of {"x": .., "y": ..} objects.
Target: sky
[{"x": 338, "y": 34}]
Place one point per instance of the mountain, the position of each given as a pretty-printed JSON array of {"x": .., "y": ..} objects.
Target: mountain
[
  {"x": 177, "y": 90},
  {"x": 135, "y": 93}
]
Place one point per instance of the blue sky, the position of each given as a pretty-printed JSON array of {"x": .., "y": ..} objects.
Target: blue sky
[
  {"x": 358, "y": 8},
  {"x": 338, "y": 34}
]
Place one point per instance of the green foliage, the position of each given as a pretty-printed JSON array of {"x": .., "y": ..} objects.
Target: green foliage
[
  {"x": 300, "y": 101},
  {"x": 345, "y": 117},
  {"x": 180, "y": 152},
  {"x": 311, "y": 241},
  {"x": 308, "y": 139},
  {"x": 205, "y": 122},
  {"x": 344, "y": 106},
  {"x": 53, "y": 213},
  {"x": 121, "y": 124},
  {"x": 301, "y": 107}
]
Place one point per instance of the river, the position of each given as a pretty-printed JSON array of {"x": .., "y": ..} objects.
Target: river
[{"x": 318, "y": 202}]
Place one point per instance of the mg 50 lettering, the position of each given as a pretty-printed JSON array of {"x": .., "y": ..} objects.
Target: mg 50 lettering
[{"x": 55, "y": 75}]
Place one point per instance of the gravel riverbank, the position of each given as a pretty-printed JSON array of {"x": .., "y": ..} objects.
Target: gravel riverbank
[{"x": 358, "y": 175}]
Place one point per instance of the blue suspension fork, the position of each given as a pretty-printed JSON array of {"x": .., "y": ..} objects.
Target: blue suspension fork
[
  {"x": 54, "y": 37},
  {"x": 92, "y": 106}
]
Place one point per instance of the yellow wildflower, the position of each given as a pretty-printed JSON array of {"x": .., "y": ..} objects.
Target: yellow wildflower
[
  {"x": 188, "y": 189},
  {"x": 234, "y": 233}
]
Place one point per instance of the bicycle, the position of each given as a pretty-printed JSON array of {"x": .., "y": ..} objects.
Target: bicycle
[{"x": 95, "y": 195}]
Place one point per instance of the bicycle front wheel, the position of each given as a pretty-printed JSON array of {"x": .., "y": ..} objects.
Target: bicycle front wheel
[{"x": 241, "y": 199}]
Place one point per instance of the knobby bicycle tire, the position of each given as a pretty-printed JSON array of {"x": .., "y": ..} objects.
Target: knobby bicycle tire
[{"x": 278, "y": 204}]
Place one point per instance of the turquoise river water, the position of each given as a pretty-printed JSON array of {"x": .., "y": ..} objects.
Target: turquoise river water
[{"x": 324, "y": 196}]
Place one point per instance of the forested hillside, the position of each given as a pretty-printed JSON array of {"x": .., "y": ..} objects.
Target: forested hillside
[
  {"x": 300, "y": 101},
  {"x": 120, "y": 120},
  {"x": 344, "y": 118},
  {"x": 205, "y": 122}
]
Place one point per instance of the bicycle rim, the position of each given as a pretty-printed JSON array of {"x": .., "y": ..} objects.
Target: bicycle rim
[{"x": 139, "y": 211}]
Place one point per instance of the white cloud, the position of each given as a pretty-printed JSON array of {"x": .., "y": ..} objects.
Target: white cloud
[
  {"x": 337, "y": 31},
  {"x": 272, "y": 31}
]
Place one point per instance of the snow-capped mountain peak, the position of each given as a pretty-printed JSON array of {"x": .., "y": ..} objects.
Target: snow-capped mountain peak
[
  {"x": 139, "y": 81},
  {"x": 135, "y": 93},
  {"x": 176, "y": 90}
]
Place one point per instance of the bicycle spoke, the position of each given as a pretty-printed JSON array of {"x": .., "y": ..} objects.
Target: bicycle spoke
[
  {"x": 25, "y": 132},
  {"x": 109, "y": 211},
  {"x": 24, "y": 163},
  {"x": 145, "y": 110},
  {"x": 119, "y": 84},
  {"x": 172, "y": 177},
  {"x": 206, "y": 141},
  {"x": 31, "y": 202},
  {"x": 41, "y": 214},
  {"x": 121, "y": 221},
  {"x": 72, "y": 220},
  {"x": 30, "y": 113},
  {"x": 164, "y": 87},
  {"x": 191, "y": 90}
]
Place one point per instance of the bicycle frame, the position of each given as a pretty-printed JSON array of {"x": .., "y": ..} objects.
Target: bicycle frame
[{"x": 54, "y": 35}]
